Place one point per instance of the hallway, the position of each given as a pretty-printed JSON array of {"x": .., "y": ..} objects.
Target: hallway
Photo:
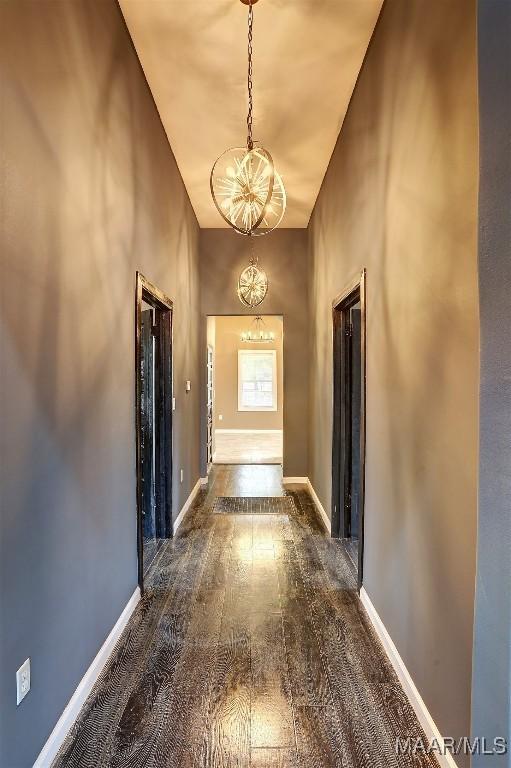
[
  {"x": 237, "y": 232},
  {"x": 249, "y": 648}
]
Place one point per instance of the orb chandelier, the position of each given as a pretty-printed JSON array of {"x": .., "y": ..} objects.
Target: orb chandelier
[
  {"x": 257, "y": 334},
  {"x": 245, "y": 186},
  {"x": 252, "y": 284}
]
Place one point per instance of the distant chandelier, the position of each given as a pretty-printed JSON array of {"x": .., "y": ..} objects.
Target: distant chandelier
[
  {"x": 252, "y": 284},
  {"x": 245, "y": 186},
  {"x": 258, "y": 334}
]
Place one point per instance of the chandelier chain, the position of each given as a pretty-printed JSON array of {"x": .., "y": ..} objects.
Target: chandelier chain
[
  {"x": 250, "y": 143},
  {"x": 254, "y": 260}
]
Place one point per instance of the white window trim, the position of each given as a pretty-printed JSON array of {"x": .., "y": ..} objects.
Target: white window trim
[{"x": 273, "y": 353}]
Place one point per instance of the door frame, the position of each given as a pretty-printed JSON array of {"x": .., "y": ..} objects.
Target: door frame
[
  {"x": 148, "y": 292},
  {"x": 355, "y": 290},
  {"x": 210, "y": 425}
]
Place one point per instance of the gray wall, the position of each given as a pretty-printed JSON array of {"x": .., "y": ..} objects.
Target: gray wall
[
  {"x": 491, "y": 688},
  {"x": 89, "y": 194},
  {"x": 400, "y": 198},
  {"x": 223, "y": 254}
]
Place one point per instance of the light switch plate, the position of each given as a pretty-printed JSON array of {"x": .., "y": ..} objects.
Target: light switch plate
[
  {"x": 173, "y": 403},
  {"x": 22, "y": 681},
  {"x": 188, "y": 386}
]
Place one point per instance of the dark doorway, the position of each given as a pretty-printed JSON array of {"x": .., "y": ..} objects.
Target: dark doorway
[
  {"x": 153, "y": 421},
  {"x": 348, "y": 444}
]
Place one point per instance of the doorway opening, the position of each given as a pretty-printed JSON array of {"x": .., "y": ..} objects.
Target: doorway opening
[
  {"x": 153, "y": 384},
  {"x": 348, "y": 439},
  {"x": 245, "y": 389}
]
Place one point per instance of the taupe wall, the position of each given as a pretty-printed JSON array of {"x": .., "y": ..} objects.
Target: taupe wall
[
  {"x": 89, "y": 194},
  {"x": 491, "y": 687},
  {"x": 227, "y": 343},
  {"x": 223, "y": 254},
  {"x": 400, "y": 198}
]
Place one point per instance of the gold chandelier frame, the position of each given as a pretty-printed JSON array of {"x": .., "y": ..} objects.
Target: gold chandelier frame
[
  {"x": 247, "y": 156},
  {"x": 255, "y": 271}
]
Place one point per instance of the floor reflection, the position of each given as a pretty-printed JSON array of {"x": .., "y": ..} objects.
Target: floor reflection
[{"x": 250, "y": 650}]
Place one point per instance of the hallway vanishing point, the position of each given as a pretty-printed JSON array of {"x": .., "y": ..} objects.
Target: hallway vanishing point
[{"x": 250, "y": 647}]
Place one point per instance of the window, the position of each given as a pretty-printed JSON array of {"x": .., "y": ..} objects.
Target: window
[{"x": 257, "y": 380}]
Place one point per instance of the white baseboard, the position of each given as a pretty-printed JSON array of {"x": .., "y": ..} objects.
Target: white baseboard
[
  {"x": 72, "y": 710},
  {"x": 319, "y": 506},
  {"x": 188, "y": 503},
  {"x": 248, "y": 431},
  {"x": 428, "y": 724}
]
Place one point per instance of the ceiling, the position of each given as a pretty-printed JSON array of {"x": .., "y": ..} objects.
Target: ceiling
[{"x": 307, "y": 56}]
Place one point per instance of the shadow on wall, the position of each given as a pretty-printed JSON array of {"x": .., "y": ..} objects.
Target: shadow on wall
[
  {"x": 400, "y": 198},
  {"x": 87, "y": 203},
  {"x": 61, "y": 324}
]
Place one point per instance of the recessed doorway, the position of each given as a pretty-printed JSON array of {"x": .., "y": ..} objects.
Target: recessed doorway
[
  {"x": 348, "y": 438},
  {"x": 245, "y": 389},
  {"x": 153, "y": 366}
]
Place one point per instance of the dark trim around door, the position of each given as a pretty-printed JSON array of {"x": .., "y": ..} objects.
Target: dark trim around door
[
  {"x": 146, "y": 291},
  {"x": 354, "y": 291}
]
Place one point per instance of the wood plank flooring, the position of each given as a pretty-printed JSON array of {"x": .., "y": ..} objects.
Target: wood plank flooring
[{"x": 250, "y": 649}]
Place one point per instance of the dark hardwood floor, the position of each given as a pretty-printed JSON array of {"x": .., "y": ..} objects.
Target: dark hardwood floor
[{"x": 250, "y": 649}]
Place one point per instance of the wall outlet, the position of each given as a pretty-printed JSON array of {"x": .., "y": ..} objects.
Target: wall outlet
[
  {"x": 22, "y": 681},
  {"x": 220, "y": 417},
  {"x": 182, "y": 475}
]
